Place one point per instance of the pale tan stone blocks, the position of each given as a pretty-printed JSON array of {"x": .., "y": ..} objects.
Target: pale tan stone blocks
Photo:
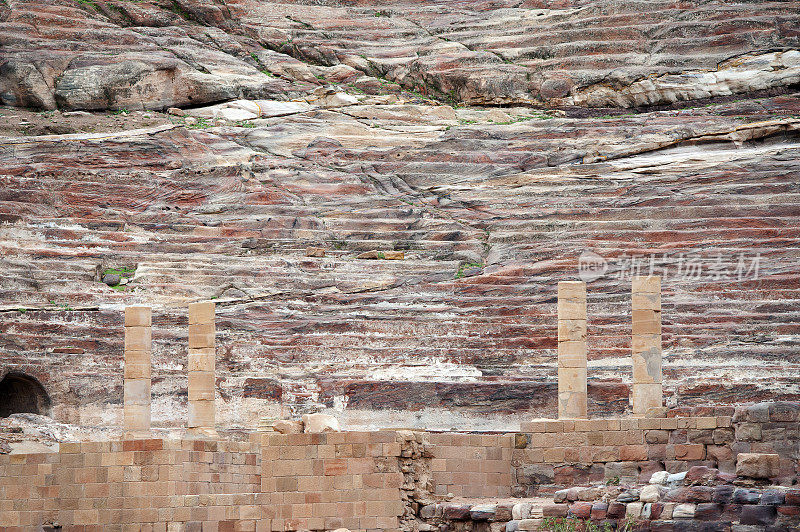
[
  {"x": 646, "y": 396},
  {"x": 201, "y": 359},
  {"x": 201, "y": 368},
  {"x": 201, "y": 312},
  {"x": 572, "y": 399},
  {"x": 137, "y": 372},
  {"x": 646, "y": 353},
  {"x": 201, "y": 416},
  {"x": 572, "y": 379},
  {"x": 138, "y": 339},
  {"x": 137, "y": 391},
  {"x": 201, "y": 386},
  {"x": 138, "y": 317},
  {"x": 201, "y": 335}
]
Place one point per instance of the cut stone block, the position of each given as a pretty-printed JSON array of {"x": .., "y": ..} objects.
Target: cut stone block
[
  {"x": 136, "y": 417},
  {"x": 137, "y": 370},
  {"x": 758, "y": 465},
  {"x": 571, "y": 361},
  {"x": 202, "y": 312},
  {"x": 572, "y": 349},
  {"x": 137, "y": 357},
  {"x": 646, "y": 322},
  {"x": 571, "y": 330},
  {"x": 138, "y": 317},
  {"x": 201, "y": 386},
  {"x": 650, "y": 283},
  {"x": 646, "y": 301},
  {"x": 137, "y": 391},
  {"x": 200, "y": 360},
  {"x": 646, "y": 342},
  {"x": 201, "y": 414},
  {"x": 646, "y": 396},
  {"x": 572, "y": 290},
  {"x": 572, "y": 380},
  {"x": 138, "y": 339},
  {"x": 572, "y": 404},
  {"x": 201, "y": 335},
  {"x": 647, "y": 366},
  {"x": 570, "y": 309}
]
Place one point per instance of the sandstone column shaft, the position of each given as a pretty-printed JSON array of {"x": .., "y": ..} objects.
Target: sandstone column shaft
[
  {"x": 572, "y": 349},
  {"x": 201, "y": 368},
  {"x": 646, "y": 343},
  {"x": 136, "y": 391}
]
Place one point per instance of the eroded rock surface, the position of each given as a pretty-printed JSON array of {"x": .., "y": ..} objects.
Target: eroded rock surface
[{"x": 360, "y": 150}]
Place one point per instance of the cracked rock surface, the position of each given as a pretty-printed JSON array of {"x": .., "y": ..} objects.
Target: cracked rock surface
[{"x": 472, "y": 155}]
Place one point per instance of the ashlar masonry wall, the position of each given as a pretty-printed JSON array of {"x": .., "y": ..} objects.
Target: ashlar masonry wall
[
  {"x": 370, "y": 480},
  {"x": 549, "y": 454},
  {"x": 273, "y": 482}
]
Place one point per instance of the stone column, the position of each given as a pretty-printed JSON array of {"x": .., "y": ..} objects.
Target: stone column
[
  {"x": 138, "y": 347},
  {"x": 646, "y": 343},
  {"x": 572, "y": 349},
  {"x": 201, "y": 369}
]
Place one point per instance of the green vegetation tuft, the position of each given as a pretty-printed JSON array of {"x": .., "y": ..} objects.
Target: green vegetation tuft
[
  {"x": 202, "y": 123},
  {"x": 464, "y": 267},
  {"x": 119, "y": 271},
  {"x": 563, "y": 524}
]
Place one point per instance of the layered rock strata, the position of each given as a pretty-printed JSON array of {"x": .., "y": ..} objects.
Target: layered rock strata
[{"x": 489, "y": 208}]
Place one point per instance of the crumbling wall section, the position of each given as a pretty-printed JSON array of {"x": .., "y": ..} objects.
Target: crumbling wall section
[
  {"x": 417, "y": 491},
  {"x": 550, "y": 454}
]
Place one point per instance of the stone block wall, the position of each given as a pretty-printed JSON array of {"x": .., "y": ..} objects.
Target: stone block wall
[
  {"x": 333, "y": 480},
  {"x": 381, "y": 480},
  {"x": 132, "y": 484},
  {"x": 472, "y": 465},
  {"x": 273, "y": 482},
  {"x": 557, "y": 453}
]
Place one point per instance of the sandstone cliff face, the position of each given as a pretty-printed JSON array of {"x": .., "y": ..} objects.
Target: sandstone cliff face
[{"x": 491, "y": 206}]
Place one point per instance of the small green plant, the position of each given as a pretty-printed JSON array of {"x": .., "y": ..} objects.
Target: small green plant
[
  {"x": 246, "y": 124},
  {"x": 22, "y": 310},
  {"x": 125, "y": 271},
  {"x": 383, "y": 13},
  {"x": 464, "y": 267},
  {"x": 613, "y": 481},
  {"x": 202, "y": 123},
  {"x": 561, "y": 524},
  {"x": 355, "y": 89},
  {"x": 122, "y": 272},
  {"x": 88, "y": 3},
  {"x": 120, "y": 112}
]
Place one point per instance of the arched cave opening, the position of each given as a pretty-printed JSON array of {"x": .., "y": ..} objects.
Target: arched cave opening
[{"x": 20, "y": 393}]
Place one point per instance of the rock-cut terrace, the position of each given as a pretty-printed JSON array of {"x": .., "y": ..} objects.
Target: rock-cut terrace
[{"x": 381, "y": 199}]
